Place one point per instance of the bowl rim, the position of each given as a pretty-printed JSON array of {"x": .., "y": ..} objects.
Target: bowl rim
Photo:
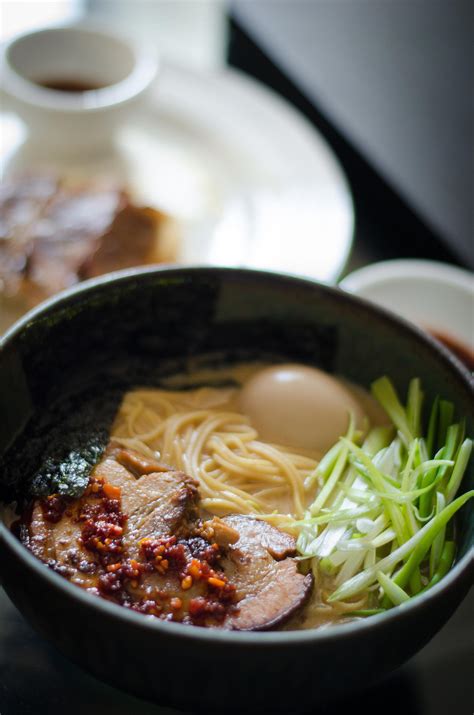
[{"x": 262, "y": 639}]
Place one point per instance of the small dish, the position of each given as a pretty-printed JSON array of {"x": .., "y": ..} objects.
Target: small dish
[
  {"x": 437, "y": 297},
  {"x": 72, "y": 85}
]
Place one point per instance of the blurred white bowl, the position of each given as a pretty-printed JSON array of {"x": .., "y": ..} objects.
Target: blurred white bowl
[
  {"x": 73, "y": 121},
  {"x": 436, "y": 296}
]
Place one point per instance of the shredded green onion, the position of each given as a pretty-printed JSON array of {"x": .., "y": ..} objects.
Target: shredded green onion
[
  {"x": 387, "y": 503},
  {"x": 396, "y": 594}
]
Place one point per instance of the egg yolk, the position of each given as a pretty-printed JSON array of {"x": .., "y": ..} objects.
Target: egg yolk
[{"x": 299, "y": 407}]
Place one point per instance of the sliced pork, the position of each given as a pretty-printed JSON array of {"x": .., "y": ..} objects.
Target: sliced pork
[
  {"x": 268, "y": 585},
  {"x": 136, "y": 537}
]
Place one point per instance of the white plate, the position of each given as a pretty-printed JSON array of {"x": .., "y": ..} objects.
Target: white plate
[{"x": 251, "y": 182}]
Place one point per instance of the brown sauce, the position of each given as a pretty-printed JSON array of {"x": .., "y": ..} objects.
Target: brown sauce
[
  {"x": 463, "y": 352},
  {"x": 65, "y": 84}
]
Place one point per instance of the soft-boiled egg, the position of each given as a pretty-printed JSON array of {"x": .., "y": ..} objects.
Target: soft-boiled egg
[{"x": 298, "y": 406}]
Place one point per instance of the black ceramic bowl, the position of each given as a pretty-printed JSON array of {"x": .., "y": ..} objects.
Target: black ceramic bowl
[{"x": 79, "y": 343}]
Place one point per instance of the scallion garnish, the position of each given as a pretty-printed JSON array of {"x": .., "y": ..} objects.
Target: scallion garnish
[{"x": 380, "y": 523}]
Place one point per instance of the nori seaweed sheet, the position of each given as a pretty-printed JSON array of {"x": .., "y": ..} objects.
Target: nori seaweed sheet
[{"x": 56, "y": 453}]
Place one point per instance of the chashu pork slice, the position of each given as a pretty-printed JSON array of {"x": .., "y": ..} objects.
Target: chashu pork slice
[
  {"x": 58, "y": 544},
  {"x": 260, "y": 564},
  {"x": 159, "y": 504}
]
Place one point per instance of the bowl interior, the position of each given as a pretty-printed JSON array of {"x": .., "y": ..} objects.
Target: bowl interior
[
  {"x": 65, "y": 366},
  {"x": 60, "y": 54}
]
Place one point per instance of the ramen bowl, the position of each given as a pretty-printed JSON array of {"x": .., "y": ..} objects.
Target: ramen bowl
[{"x": 129, "y": 327}]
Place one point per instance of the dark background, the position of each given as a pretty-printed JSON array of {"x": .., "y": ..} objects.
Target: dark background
[{"x": 389, "y": 85}]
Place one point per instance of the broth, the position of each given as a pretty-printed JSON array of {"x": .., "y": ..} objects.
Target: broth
[{"x": 70, "y": 84}]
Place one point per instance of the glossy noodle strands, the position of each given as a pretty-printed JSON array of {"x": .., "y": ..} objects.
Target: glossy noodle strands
[{"x": 201, "y": 433}]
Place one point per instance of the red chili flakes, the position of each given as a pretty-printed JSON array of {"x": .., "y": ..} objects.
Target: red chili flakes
[
  {"x": 165, "y": 553},
  {"x": 200, "y": 570},
  {"x": 110, "y": 582},
  {"x": 118, "y": 574},
  {"x": 189, "y": 558},
  {"x": 201, "y": 607},
  {"x": 148, "y": 607},
  {"x": 102, "y": 521},
  {"x": 186, "y": 583},
  {"x": 195, "y": 569},
  {"x": 94, "y": 487},
  {"x": 202, "y": 550},
  {"x": 53, "y": 507},
  {"x": 103, "y": 533},
  {"x": 216, "y": 582},
  {"x": 176, "y": 604}
]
